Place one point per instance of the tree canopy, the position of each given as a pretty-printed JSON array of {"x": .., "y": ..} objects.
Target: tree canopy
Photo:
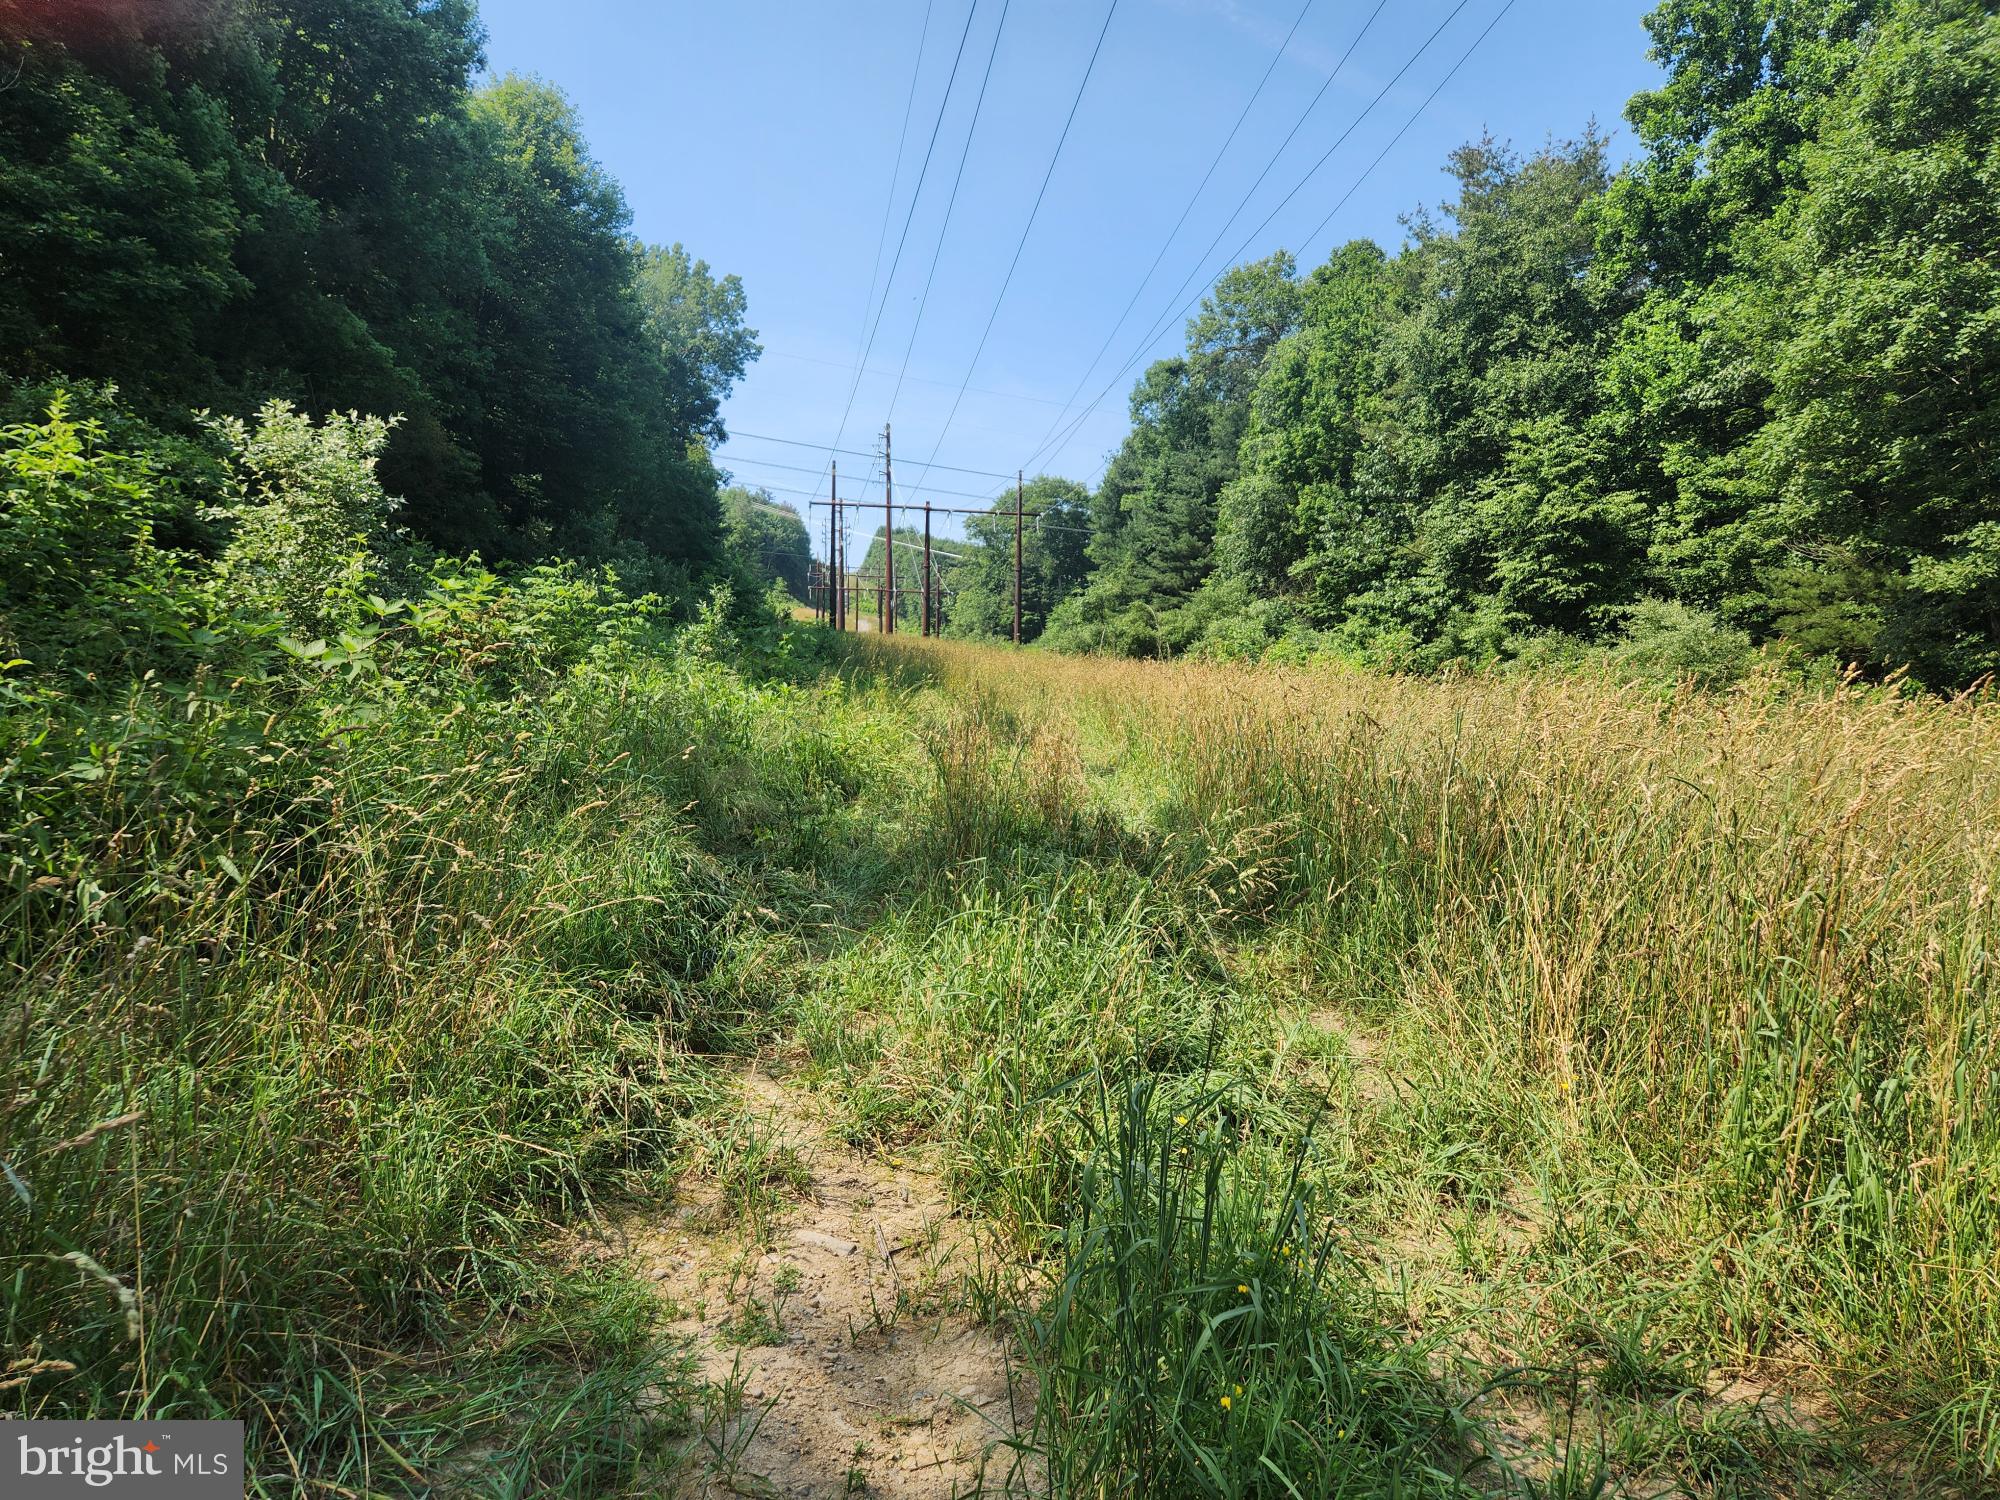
[
  {"x": 213, "y": 203},
  {"x": 1753, "y": 374},
  {"x": 767, "y": 540}
]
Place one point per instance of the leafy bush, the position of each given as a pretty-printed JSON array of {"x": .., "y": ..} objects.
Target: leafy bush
[
  {"x": 307, "y": 513},
  {"x": 86, "y": 585},
  {"x": 1669, "y": 642},
  {"x": 359, "y": 939}
]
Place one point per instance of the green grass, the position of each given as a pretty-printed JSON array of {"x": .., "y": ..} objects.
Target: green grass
[
  {"x": 1654, "y": 1028},
  {"x": 306, "y": 1083},
  {"x": 1206, "y": 1334},
  {"x": 1616, "y": 1069}
]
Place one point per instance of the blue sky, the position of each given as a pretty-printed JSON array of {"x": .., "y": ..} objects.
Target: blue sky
[{"x": 763, "y": 135}]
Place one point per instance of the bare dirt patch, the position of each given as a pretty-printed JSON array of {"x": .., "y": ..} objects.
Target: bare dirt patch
[{"x": 839, "y": 1336}]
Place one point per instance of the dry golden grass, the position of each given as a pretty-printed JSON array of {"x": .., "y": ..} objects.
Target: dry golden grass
[{"x": 1704, "y": 980}]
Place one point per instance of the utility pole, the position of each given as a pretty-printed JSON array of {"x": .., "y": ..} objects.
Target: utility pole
[
  {"x": 889, "y": 530},
  {"x": 927, "y": 621},
  {"x": 832, "y": 553},
  {"x": 1020, "y": 504}
]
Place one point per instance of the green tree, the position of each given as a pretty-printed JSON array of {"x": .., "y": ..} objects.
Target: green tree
[
  {"x": 1883, "y": 445},
  {"x": 697, "y": 323},
  {"x": 214, "y": 202},
  {"x": 1688, "y": 229},
  {"x": 1464, "y": 527},
  {"x": 1154, "y": 514},
  {"x": 123, "y": 202},
  {"x": 1054, "y": 561},
  {"x": 1288, "y": 517},
  {"x": 767, "y": 540}
]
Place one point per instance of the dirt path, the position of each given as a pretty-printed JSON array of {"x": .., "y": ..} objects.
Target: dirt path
[{"x": 839, "y": 1334}]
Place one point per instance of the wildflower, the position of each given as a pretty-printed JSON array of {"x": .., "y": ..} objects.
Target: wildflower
[
  {"x": 1284, "y": 1249},
  {"x": 1180, "y": 1119},
  {"x": 1238, "y": 1390},
  {"x": 1225, "y": 1403},
  {"x": 1243, "y": 1287}
]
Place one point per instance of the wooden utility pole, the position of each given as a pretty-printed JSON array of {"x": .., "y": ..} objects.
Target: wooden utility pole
[
  {"x": 928, "y": 623},
  {"x": 833, "y": 552},
  {"x": 888, "y": 531},
  {"x": 1020, "y": 504}
]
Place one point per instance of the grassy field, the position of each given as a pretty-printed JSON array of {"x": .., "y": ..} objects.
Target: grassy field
[
  {"x": 1645, "y": 1039},
  {"x": 1370, "y": 1086}
]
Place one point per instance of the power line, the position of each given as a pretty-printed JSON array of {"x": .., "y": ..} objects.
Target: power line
[
  {"x": 909, "y": 505},
  {"x": 764, "y": 437},
  {"x": 1022, "y": 243},
  {"x": 951, "y": 202},
  {"x": 873, "y": 328},
  {"x": 919, "y": 547},
  {"x": 913, "y": 505},
  {"x": 1186, "y": 209},
  {"x": 1382, "y": 155},
  {"x": 1235, "y": 214},
  {"x": 974, "y": 390},
  {"x": 766, "y": 463},
  {"x": 1232, "y": 259},
  {"x": 929, "y": 489},
  {"x": 1464, "y": 58},
  {"x": 895, "y": 176}
]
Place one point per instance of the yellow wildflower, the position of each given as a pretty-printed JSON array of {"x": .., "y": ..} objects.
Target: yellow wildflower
[
  {"x": 1225, "y": 1403},
  {"x": 1243, "y": 1287}
]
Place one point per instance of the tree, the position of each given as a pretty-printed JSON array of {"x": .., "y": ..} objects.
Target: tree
[
  {"x": 1686, "y": 231},
  {"x": 1455, "y": 512},
  {"x": 1153, "y": 518},
  {"x": 1284, "y": 520},
  {"x": 1883, "y": 445},
  {"x": 696, "y": 322},
  {"x": 767, "y": 540},
  {"x": 1054, "y": 563},
  {"x": 217, "y": 202}
]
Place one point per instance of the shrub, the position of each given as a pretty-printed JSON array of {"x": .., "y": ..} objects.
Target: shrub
[
  {"x": 86, "y": 586},
  {"x": 307, "y": 512},
  {"x": 1669, "y": 642}
]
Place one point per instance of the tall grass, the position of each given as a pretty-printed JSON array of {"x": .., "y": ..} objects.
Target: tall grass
[
  {"x": 1699, "y": 986},
  {"x": 1203, "y": 1337},
  {"x": 333, "y": 1002},
  {"x": 329, "y": 1009}
]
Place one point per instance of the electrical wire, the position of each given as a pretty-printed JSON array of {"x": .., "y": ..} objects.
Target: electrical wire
[
  {"x": 928, "y": 489},
  {"x": 1235, "y": 214},
  {"x": 869, "y": 344},
  {"x": 951, "y": 202},
  {"x": 866, "y": 453},
  {"x": 895, "y": 176},
  {"x": 1235, "y": 255},
  {"x": 1021, "y": 244}
]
